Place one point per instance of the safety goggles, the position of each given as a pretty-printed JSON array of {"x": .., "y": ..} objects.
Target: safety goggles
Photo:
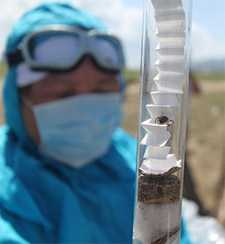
[{"x": 62, "y": 48}]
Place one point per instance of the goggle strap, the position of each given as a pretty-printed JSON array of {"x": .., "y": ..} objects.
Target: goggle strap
[{"x": 14, "y": 58}]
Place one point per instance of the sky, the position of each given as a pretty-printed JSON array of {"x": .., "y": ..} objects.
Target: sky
[
  {"x": 124, "y": 18},
  {"x": 208, "y": 36}
]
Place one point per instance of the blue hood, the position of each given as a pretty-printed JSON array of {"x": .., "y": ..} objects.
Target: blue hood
[{"x": 43, "y": 15}]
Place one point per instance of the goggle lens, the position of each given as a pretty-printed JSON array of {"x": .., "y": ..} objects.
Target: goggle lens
[{"x": 49, "y": 50}]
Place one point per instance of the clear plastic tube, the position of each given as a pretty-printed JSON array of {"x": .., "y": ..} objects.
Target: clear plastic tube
[{"x": 163, "y": 121}]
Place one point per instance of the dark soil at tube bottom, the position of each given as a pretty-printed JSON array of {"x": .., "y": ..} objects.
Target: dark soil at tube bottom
[{"x": 156, "y": 189}]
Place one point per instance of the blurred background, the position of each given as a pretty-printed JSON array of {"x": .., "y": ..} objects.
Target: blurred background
[{"x": 206, "y": 144}]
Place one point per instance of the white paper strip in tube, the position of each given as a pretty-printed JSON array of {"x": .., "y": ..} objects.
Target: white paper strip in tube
[
  {"x": 173, "y": 66},
  {"x": 166, "y": 4},
  {"x": 170, "y": 15},
  {"x": 170, "y": 36},
  {"x": 169, "y": 51},
  {"x": 164, "y": 36},
  {"x": 170, "y": 76},
  {"x": 171, "y": 58},
  {"x": 160, "y": 166},
  {"x": 172, "y": 44},
  {"x": 158, "y": 134},
  {"x": 174, "y": 41},
  {"x": 157, "y": 152},
  {"x": 169, "y": 86},
  {"x": 174, "y": 25},
  {"x": 156, "y": 111},
  {"x": 166, "y": 98},
  {"x": 152, "y": 127},
  {"x": 156, "y": 140}
]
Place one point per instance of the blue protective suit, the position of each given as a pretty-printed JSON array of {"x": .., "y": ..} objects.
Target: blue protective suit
[{"x": 49, "y": 202}]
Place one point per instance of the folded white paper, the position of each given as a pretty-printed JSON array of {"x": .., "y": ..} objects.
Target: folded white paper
[
  {"x": 166, "y": 4},
  {"x": 175, "y": 43},
  {"x": 171, "y": 58},
  {"x": 173, "y": 65},
  {"x": 166, "y": 98},
  {"x": 170, "y": 34},
  {"x": 172, "y": 41},
  {"x": 170, "y": 76},
  {"x": 160, "y": 166},
  {"x": 171, "y": 25},
  {"x": 169, "y": 51},
  {"x": 157, "y": 111},
  {"x": 159, "y": 139},
  {"x": 157, "y": 152},
  {"x": 169, "y": 14},
  {"x": 152, "y": 127},
  {"x": 169, "y": 86}
]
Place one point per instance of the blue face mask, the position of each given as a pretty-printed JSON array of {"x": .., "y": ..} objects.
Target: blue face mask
[{"x": 78, "y": 130}]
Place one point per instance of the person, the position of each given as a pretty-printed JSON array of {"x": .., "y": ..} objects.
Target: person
[{"x": 67, "y": 169}]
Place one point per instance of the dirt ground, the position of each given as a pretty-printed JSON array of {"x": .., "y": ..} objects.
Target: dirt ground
[
  {"x": 206, "y": 136},
  {"x": 206, "y": 142}
]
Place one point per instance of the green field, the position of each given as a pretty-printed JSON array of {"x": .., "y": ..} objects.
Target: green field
[
  {"x": 131, "y": 75},
  {"x": 215, "y": 77}
]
